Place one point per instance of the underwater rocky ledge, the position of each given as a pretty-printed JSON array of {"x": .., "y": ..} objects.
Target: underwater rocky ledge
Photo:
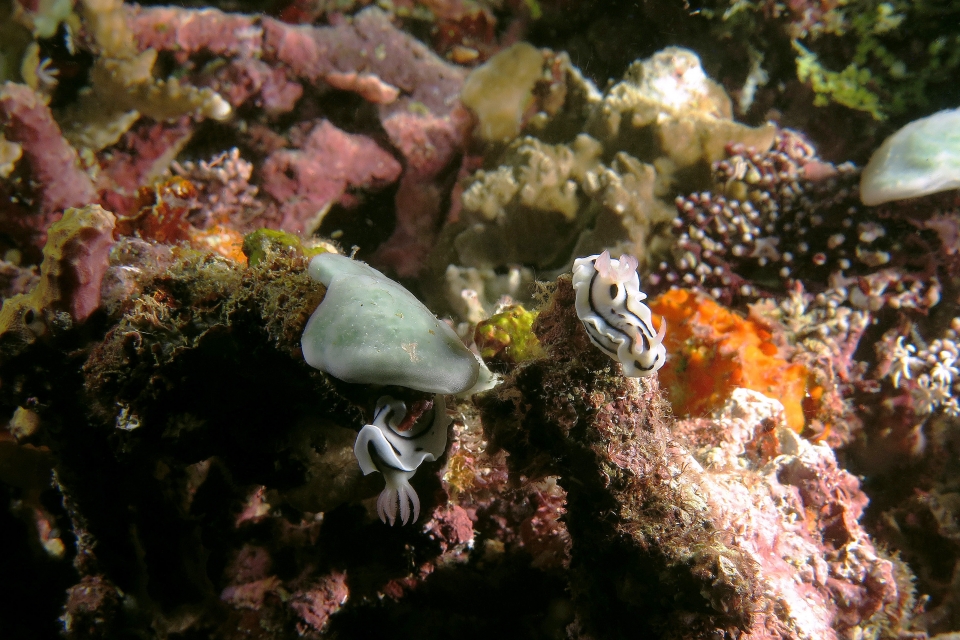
[{"x": 229, "y": 414}]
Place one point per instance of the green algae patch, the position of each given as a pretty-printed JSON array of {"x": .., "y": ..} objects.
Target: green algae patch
[
  {"x": 262, "y": 244},
  {"x": 847, "y": 87}
]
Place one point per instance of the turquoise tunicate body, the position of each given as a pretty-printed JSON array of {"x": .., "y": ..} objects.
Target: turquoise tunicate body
[
  {"x": 921, "y": 158},
  {"x": 370, "y": 330}
]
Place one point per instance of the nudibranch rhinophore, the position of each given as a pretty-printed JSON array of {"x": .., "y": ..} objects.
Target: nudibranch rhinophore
[
  {"x": 610, "y": 305},
  {"x": 396, "y": 447}
]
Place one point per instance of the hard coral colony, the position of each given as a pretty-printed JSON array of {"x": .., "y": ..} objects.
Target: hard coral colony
[{"x": 201, "y": 388}]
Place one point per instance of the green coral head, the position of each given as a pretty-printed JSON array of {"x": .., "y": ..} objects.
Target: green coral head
[{"x": 508, "y": 336}]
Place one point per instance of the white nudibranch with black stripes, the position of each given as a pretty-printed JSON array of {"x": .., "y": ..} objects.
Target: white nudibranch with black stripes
[
  {"x": 396, "y": 446},
  {"x": 610, "y": 305}
]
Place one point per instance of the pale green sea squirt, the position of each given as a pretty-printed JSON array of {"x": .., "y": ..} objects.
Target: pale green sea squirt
[
  {"x": 370, "y": 330},
  {"x": 921, "y": 158}
]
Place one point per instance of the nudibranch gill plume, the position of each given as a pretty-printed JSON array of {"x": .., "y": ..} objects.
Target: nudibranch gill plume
[{"x": 610, "y": 305}]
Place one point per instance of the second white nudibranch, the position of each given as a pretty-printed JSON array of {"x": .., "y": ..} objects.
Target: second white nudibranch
[
  {"x": 610, "y": 305},
  {"x": 395, "y": 447}
]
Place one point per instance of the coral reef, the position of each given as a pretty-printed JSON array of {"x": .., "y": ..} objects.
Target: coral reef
[
  {"x": 75, "y": 259},
  {"x": 123, "y": 87},
  {"x": 688, "y": 116},
  {"x": 825, "y": 560},
  {"x": 306, "y": 182},
  {"x": 625, "y": 466},
  {"x": 534, "y": 190},
  {"x": 871, "y": 56},
  {"x": 423, "y": 123},
  {"x": 54, "y": 164},
  {"x": 177, "y": 182},
  {"x": 784, "y": 216},
  {"x": 500, "y": 92},
  {"x": 665, "y": 491}
]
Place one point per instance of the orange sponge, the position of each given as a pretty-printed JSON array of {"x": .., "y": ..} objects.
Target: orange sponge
[{"x": 712, "y": 351}]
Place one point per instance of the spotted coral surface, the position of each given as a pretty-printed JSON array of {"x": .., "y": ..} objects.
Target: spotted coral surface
[{"x": 508, "y": 336}]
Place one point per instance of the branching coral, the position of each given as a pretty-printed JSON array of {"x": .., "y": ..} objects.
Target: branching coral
[
  {"x": 55, "y": 166},
  {"x": 123, "y": 86},
  {"x": 822, "y": 333},
  {"x": 476, "y": 294},
  {"x": 224, "y": 192}
]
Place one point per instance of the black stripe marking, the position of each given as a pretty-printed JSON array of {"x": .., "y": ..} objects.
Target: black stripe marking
[{"x": 593, "y": 307}]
